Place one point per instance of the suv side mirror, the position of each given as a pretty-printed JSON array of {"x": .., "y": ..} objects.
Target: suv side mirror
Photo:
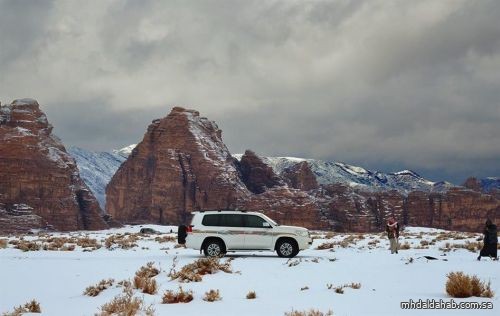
[{"x": 266, "y": 225}]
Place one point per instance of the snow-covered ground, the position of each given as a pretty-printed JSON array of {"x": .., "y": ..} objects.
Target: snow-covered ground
[{"x": 57, "y": 279}]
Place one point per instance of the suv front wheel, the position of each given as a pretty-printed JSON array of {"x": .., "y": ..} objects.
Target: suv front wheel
[
  {"x": 213, "y": 248},
  {"x": 287, "y": 248}
]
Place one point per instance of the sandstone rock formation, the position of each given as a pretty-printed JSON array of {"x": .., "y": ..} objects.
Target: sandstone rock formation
[
  {"x": 300, "y": 176},
  {"x": 257, "y": 176},
  {"x": 181, "y": 165},
  {"x": 39, "y": 181}
]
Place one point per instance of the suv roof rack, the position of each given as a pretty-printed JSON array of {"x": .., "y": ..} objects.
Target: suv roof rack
[{"x": 223, "y": 210}]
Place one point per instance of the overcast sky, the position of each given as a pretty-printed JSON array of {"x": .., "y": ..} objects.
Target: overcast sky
[{"x": 387, "y": 85}]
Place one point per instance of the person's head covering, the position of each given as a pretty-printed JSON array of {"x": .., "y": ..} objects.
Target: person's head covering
[{"x": 489, "y": 222}]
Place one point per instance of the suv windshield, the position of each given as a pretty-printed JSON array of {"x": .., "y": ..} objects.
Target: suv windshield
[{"x": 270, "y": 220}]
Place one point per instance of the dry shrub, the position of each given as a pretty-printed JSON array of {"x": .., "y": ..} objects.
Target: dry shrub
[
  {"x": 127, "y": 305},
  {"x": 164, "y": 239},
  {"x": 171, "y": 297},
  {"x": 3, "y": 243},
  {"x": 405, "y": 246},
  {"x": 326, "y": 245},
  {"x": 251, "y": 295},
  {"x": 195, "y": 271},
  {"x": 126, "y": 241},
  {"x": 147, "y": 271},
  {"x": 354, "y": 285},
  {"x": 125, "y": 284},
  {"x": 28, "y": 245},
  {"x": 340, "y": 289},
  {"x": 146, "y": 285},
  {"x": 311, "y": 312},
  {"x": 212, "y": 296},
  {"x": 94, "y": 290},
  {"x": 424, "y": 243},
  {"x": 461, "y": 285},
  {"x": 373, "y": 242},
  {"x": 31, "y": 307},
  {"x": 330, "y": 235},
  {"x": 471, "y": 246},
  {"x": 304, "y": 288},
  {"x": 87, "y": 242},
  {"x": 144, "y": 281}
]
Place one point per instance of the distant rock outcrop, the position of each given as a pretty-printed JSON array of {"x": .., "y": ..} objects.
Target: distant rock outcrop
[
  {"x": 300, "y": 176},
  {"x": 39, "y": 182},
  {"x": 257, "y": 176},
  {"x": 182, "y": 165}
]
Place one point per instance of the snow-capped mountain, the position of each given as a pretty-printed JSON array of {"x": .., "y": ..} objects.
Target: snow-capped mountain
[
  {"x": 125, "y": 151},
  {"x": 490, "y": 183},
  {"x": 97, "y": 168},
  {"x": 337, "y": 172}
]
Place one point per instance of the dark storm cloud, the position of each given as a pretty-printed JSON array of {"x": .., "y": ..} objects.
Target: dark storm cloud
[{"x": 384, "y": 84}]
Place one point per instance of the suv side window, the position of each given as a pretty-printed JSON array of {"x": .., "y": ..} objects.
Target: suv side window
[
  {"x": 211, "y": 220},
  {"x": 231, "y": 220},
  {"x": 254, "y": 221}
]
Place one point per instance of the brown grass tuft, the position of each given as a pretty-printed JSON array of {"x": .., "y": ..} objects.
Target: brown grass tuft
[
  {"x": 3, "y": 243},
  {"x": 125, "y": 241},
  {"x": 31, "y": 307},
  {"x": 94, "y": 290},
  {"x": 212, "y": 296},
  {"x": 461, "y": 285},
  {"x": 171, "y": 297},
  {"x": 251, "y": 295},
  {"x": 311, "y": 312},
  {"x": 144, "y": 281},
  {"x": 195, "y": 271},
  {"x": 165, "y": 239},
  {"x": 126, "y": 304},
  {"x": 146, "y": 285},
  {"x": 27, "y": 245},
  {"x": 148, "y": 271}
]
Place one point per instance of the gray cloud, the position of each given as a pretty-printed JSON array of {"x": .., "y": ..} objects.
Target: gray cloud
[{"x": 384, "y": 84}]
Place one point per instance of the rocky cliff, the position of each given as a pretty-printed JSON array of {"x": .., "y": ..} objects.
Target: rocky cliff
[
  {"x": 182, "y": 165},
  {"x": 39, "y": 182}
]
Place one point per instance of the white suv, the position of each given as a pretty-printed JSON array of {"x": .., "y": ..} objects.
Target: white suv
[{"x": 217, "y": 232}]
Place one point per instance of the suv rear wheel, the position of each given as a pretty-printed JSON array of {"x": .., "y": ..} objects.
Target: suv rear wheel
[
  {"x": 287, "y": 248},
  {"x": 213, "y": 248}
]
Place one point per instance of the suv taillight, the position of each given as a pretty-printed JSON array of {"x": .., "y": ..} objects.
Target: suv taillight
[{"x": 189, "y": 229}]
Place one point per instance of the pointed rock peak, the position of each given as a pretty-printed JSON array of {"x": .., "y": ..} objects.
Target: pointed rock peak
[
  {"x": 300, "y": 176},
  {"x": 257, "y": 175},
  {"x": 472, "y": 183},
  {"x": 26, "y": 102},
  {"x": 407, "y": 173},
  {"x": 182, "y": 154},
  {"x": 24, "y": 113}
]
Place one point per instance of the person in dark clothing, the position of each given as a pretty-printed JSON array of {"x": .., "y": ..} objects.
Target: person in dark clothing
[
  {"x": 392, "y": 229},
  {"x": 490, "y": 241}
]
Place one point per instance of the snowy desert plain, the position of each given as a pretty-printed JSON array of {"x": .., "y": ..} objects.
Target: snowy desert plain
[{"x": 58, "y": 274}]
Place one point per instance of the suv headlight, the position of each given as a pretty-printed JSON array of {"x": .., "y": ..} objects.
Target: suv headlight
[{"x": 302, "y": 233}]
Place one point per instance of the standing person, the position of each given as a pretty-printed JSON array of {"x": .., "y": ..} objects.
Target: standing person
[
  {"x": 490, "y": 241},
  {"x": 392, "y": 229}
]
